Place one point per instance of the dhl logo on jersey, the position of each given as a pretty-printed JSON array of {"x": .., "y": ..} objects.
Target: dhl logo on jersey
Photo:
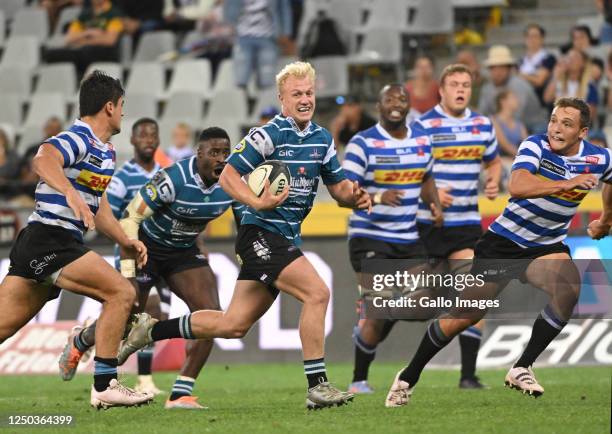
[
  {"x": 459, "y": 152},
  {"x": 402, "y": 176},
  {"x": 92, "y": 180}
]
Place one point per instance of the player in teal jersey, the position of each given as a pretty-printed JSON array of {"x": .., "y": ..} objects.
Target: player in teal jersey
[
  {"x": 268, "y": 241},
  {"x": 167, "y": 215}
]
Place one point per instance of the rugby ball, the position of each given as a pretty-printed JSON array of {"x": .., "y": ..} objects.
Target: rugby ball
[{"x": 272, "y": 170}]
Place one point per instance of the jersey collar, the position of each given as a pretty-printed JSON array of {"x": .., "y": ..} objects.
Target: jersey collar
[
  {"x": 466, "y": 114},
  {"x": 381, "y": 130},
  {"x": 294, "y": 125},
  {"x": 96, "y": 141}
]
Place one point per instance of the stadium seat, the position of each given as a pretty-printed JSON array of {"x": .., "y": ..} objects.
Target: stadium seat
[
  {"x": 31, "y": 22},
  {"x": 11, "y": 7},
  {"x": 21, "y": 51},
  {"x": 30, "y": 135},
  {"x": 11, "y": 109},
  {"x": 67, "y": 15},
  {"x": 229, "y": 103},
  {"x": 594, "y": 23},
  {"x": 146, "y": 77},
  {"x": 2, "y": 28},
  {"x": 349, "y": 19},
  {"x": 43, "y": 106},
  {"x": 191, "y": 75},
  {"x": 110, "y": 68},
  {"x": 15, "y": 80},
  {"x": 265, "y": 98},
  {"x": 390, "y": 14},
  {"x": 58, "y": 77},
  {"x": 332, "y": 76},
  {"x": 185, "y": 106},
  {"x": 153, "y": 44},
  {"x": 138, "y": 105},
  {"x": 225, "y": 76},
  {"x": 380, "y": 45},
  {"x": 432, "y": 17},
  {"x": 228, "y": 123}
]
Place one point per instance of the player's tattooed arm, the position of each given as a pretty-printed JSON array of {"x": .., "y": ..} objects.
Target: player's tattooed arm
[
  {"x": 49, "y": 165},
  {"x": 429, "y": 194},
  {"x": 600, "y": 228},
  {"x": 525, "y": 185}
]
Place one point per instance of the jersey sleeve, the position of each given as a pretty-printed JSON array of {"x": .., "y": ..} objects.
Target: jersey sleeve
[
  {"x": 528, "y": 156},
  {"x": 492, "y": 147},
  {"x": 163, "y": 187},
  {"x": 72, "y": 147},
  {"x": 253, "y": 149},
  {"x": 116, "y": 193},
  {"x": 607, "y": 174},
  {"x": 331, "y": 171},
  {"x": 355, "y": 162}
]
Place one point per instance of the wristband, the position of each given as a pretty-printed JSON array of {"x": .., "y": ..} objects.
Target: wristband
[
  {"x": 128, "y": 268},
  {"x": 377, "y": 198}
]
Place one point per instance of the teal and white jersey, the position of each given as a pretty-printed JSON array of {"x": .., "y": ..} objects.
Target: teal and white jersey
[
  {"x": 182, "y": 204},
  {"x": 308, "y": 154},
  {"x": 124, "y": 185}
]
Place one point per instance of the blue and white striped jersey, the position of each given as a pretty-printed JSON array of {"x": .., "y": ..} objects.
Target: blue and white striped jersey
[
  {"x": 182, "y": 204},
  {"x": 459, "y": 145},
  {"x": 380, "y": 162},
  {"x": 308, "y": 154},
  {"x": 88, "y": 164},
  {"x": 545, "y": 220},
  {"x": 124, "y": 185}
]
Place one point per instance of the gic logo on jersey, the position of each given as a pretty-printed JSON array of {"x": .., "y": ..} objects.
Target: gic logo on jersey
[
  {"x": 92, "y": 180},
  {"x": 459, "y": 152},
  {"x": 402, "y": 176}
]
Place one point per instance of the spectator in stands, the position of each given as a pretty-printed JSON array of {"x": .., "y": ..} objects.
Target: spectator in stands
[
  {"x": 9, "y": 160},
  {"x": 141, "y": 16},
  {"x": 469, "y": 59},
  {"x": 598, "y": 138},
  {"x": 28, "y": 179},
  {"x": 182, "y": 15},
  {"x": 182, "y": 137},
  {"x": 509, "y": 129},
  {"x": 350, "y": 119},
  {"x": 605, "y": 34},
  {"x": 537, "y": 65},
  {"x": 92, "y": 37},
  {"x": 261, "y": 27},
  {"x": 600, "y": 82},
  {"x": 581, "y": 38},
  {"x": 54, "y": 9},
  {"x": 267, "y": 114},
  {"x": 608, "y": 84},
  {"x": 423, "y": 87},
  {"x": 53, "y": 126},
  {"x": 572, "y": 77},
  {"x": 500, "y": 64}
]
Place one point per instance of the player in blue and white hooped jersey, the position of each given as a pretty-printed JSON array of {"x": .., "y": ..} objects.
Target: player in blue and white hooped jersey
[
  {"x": 124, "y": 185},
  {"x": 463, "y": 142},
  {"x": 393, "y": 163},
  {"x": 75, "y": 168},
  {"x": 550, "y": 176},
  {"x": 168, "y": 214},
  {"x": 269, "y": 237}
]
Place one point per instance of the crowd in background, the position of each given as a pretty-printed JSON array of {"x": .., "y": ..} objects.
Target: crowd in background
[{"x": 517, "y": 92}]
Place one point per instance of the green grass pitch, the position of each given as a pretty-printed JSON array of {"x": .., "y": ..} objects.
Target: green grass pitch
[{"x": 270, "y": 398}]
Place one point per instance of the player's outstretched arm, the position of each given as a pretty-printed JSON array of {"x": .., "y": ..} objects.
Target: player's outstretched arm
[
  {"x": 48, "y": 164},
  {"x": 231, "y": 182},
  {"x": 600, "y": 228},
  {"x": 349, "y": 194},
  {"x": 525, "y": 185},
  {"x": 110, "y": 226}
]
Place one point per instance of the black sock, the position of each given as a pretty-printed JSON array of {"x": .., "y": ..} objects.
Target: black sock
[
  {"x": 315, "y": 372},
  {"x": 469, "y": 341},
  {"x": 145, "y": 360},
  {"x": 545, "y": 328},
  {"x": 364, "y": 355},
  {"x": 104, "y": 371},
  {"x": 433, "y": 341},
  {"x": 173, "y": 328}
]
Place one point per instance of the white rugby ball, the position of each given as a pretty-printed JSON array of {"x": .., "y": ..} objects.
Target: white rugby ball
[{"x": 272, "y": 170}]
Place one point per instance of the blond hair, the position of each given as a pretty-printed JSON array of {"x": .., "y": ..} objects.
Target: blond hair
[{"x": 294, "y": 69}]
